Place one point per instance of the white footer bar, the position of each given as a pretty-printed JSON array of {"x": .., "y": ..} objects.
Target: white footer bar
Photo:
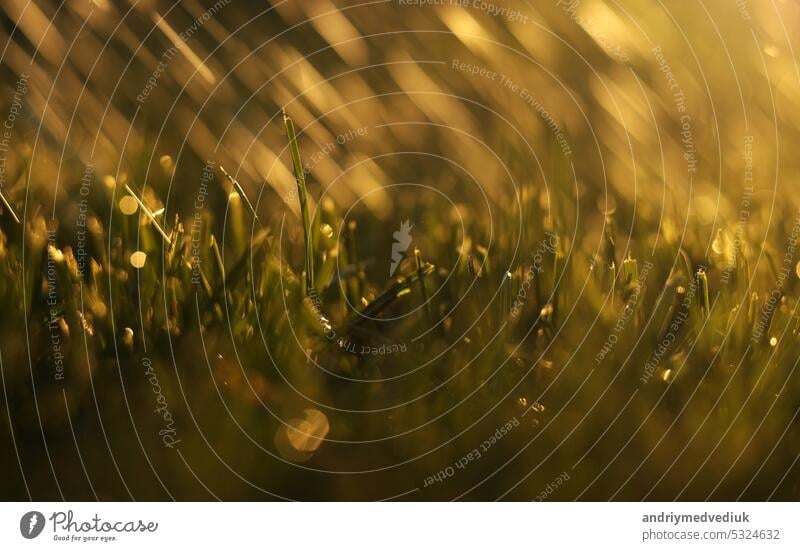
[{"x": 400, "y": 526}]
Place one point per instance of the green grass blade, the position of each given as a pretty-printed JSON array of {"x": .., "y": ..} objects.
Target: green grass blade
[
  {"x": 303, "y": 196},
  {"x": 9, "y": 206},
  {"x": 240, "y": 191},
  {"x": 150, "y": 215}
]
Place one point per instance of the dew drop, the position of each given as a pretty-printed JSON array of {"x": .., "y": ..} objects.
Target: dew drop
[
  {"x": 719, "y": 243},
  {"x": 138, "y": 259},
  {"x": 167, "y": 164},
  {"x": 128, "y": 205},
  {"x": 127, "y": 337}
]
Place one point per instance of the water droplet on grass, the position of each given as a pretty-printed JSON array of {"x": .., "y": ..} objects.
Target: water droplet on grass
[
  {"x": 719, "y": 243},
  {"x": 167, "y": 164},
  {"x": 138, "y": 259},
  {"x": 128, "y": 205}
]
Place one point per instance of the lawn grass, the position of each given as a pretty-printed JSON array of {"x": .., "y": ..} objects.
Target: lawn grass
[{"x": 417, "y": 367}]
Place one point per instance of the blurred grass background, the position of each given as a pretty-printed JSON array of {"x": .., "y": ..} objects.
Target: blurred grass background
[{"x": 663, "y": 133}]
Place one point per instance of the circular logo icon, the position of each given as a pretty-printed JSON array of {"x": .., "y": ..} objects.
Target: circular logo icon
[{"x": 31, "y": 524}]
